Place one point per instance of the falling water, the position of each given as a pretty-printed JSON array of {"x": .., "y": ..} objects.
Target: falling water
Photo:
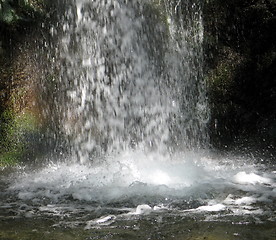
[
  {"x": 132, "y": 74},
  {"x": 132, "y": 103}
]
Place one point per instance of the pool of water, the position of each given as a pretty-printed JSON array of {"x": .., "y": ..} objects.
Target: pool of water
[{"x": 141, "y": 196}]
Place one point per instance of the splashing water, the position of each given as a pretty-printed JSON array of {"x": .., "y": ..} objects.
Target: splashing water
[
  {"x": 134, "y": 109},
  {"x": 135, "y": 183}
]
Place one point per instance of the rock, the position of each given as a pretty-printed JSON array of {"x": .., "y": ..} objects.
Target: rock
[
  {"x": 240, "y": 51},
  {"x": 14, "y": 12}
]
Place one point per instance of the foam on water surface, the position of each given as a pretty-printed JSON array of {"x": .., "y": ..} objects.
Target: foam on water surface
[
  {"x": 251, "y": 178},
  {"x": 128, "y": 173},
  {"x": 188, "y": 182}
]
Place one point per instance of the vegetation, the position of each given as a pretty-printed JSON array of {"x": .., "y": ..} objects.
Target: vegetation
[
  {"x": 14, "y": 11},
  {"x": 16, "y": 131}
]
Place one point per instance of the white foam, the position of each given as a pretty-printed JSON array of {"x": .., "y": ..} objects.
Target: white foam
[
  {"x": 212, "y": 208},
  {"x": 245, "y": 200},
  {"x": 143, "y": 209},
  {"x": 130, "y": 173},
  {"x": 103, "y": 221},
  {"x": 138, "y": 178},
  {"x": 250, "y": 178}
]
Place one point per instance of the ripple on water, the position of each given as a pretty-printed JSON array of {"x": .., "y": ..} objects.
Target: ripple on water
[{"x": 135, "y": 186}]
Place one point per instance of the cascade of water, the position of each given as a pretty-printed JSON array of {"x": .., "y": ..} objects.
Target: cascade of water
[
  {"x": 131, "y": 92},
  {"x": 132, "y": 76}
]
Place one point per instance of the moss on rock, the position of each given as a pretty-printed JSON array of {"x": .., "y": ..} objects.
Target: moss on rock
[
  {"x": 15, "y": 131},
  {"x": 13, "y": 12}
]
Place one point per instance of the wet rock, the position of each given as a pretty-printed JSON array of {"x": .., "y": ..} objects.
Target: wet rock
[
  {"x": 240, "y": 53},
  {"x": 14, "y": 12}
]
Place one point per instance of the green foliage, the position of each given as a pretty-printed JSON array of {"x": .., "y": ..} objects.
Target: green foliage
[
  {"x": 14, "y": 129},
  {"x": 13, "y": 12},
  {"x": 7, "y": 13}
]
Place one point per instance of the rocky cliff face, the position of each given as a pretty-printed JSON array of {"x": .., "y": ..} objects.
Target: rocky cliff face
[
  {"x": 240, "y": 47},
  {"x": 22, "y": 35}
]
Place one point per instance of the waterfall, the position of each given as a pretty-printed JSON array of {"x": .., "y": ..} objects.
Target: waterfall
[
  {"x": 128, "y": 99},
  {"x": 131, "y": 77}
]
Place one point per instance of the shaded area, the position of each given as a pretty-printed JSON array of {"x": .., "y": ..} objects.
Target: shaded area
[
  {"x": 240, "y": 49},
  {"x": 24, "y": 54}
]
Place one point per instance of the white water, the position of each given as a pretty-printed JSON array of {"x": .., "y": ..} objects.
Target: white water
[
  {"x": 138, "y": 184},
  {"x": 132, "y": 71},
  {"x": 134, "y": 173},
  {"x": 134, "y": 109}
]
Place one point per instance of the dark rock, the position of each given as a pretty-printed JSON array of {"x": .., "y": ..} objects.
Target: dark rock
[{"x": 240, "y": 50}]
